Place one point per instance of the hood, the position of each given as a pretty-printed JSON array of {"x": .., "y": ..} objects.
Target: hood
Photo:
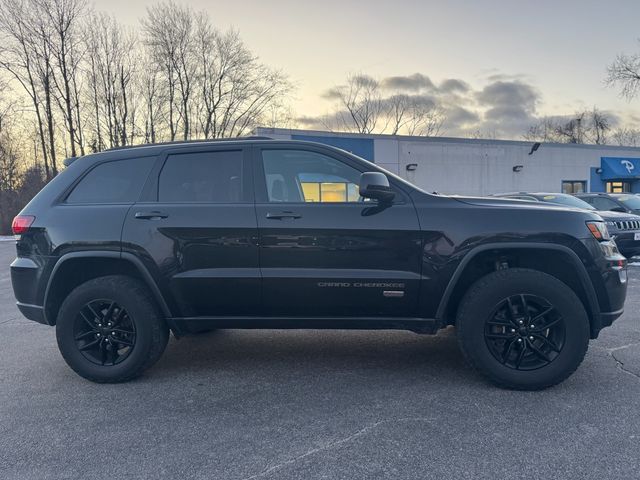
[
  {"x": 617, "y": 216},
  {"x": 515, "y": 203}
]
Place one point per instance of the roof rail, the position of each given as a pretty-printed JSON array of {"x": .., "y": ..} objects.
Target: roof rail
[
  {"x": 178, "y": 142},
  {"x": 68, "y": 161}
]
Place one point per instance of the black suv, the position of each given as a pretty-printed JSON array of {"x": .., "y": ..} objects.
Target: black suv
[
  {"x": 125, "y": 245},
  {"x": 614, "y": 202},
  {"x": 623, "y": 227}
]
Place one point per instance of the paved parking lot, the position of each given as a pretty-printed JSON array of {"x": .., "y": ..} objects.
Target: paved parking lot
[{"x": 311, "y": 404}]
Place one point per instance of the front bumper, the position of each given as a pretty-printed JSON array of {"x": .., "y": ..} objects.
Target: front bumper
[
  {"x": 627, "y": 244},
  {"x": 608, "y": 274}
]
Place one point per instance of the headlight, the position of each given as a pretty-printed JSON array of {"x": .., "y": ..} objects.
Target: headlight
[{"x": 599, "y": 230}]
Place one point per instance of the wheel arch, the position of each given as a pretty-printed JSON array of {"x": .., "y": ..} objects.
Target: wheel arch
[
  {"x": 75, "y": 268},
  {"x": 474, "y": 265}
]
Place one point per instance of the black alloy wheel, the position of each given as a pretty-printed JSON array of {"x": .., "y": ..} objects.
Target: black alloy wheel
[
  {"x": 104, "y": 333},
  {"x": 525, "y": 332}
]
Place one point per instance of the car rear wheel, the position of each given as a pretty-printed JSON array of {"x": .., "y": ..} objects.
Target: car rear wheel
[
  {"x": 109, "y": 329},
  {"x": 522, "y": 329}
]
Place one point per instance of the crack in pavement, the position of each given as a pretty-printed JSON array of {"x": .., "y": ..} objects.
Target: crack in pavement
[
  {"x": 330, "y": 445},
  {"x": 620, "y": 365}
]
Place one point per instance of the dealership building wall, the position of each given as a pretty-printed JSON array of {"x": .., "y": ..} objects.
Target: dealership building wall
[{"x": 480, "y": 167}]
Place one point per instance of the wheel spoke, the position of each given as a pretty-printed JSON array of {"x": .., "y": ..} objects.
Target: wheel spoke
[
  {"x": 122, "y": 331},
  {"x": 89, "y": 345},
  {"x": 109, "y": 313},
  {"x": 95, "y": 314},
  {"x": 547, "y": 326},
  {"x": 552, "y": 345},
  {"x": 523, "y": 350},
  {"x": 103, "y": 352},
  {"x": 123, "y": 341},
  {"x": 524, "y": 304},
  {"x": 87, "y": 321},
  {"x": 119, "y": 316},
  {"x": 84, "y": 335},
  {"x": 542, "y": 314},
  {"x": 499, "y": 324},
  {"x": 540, "y": 353},
  {"x": 505, "y": 336},
  {"x": 506, "y": 355}
]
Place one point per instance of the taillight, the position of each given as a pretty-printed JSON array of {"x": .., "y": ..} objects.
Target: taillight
[{"x": 22, "y": 223}]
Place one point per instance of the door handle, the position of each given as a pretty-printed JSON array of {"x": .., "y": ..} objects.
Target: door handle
[
  {"x": 155, "y": 215},
  {"x": 281, "y": 215}
]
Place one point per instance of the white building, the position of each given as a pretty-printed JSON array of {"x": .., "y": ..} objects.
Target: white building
[{"x": 480, "y": 167}]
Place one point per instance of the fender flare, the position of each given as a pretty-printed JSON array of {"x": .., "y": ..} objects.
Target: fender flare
[
  {"x": 128, "y": 257},
  {"x": 594, "y": 307}
]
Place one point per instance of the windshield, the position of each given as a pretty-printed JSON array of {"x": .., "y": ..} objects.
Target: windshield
[
  {"x": 568, "y": 200},
  {"x": 630, "y": 201}
]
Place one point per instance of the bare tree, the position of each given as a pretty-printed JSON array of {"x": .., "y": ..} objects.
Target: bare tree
[
  {"x": 112, "y": 67},
  {"x": 64, "y": 21},
  {"x": 627, "y": 137},
  {"x": 359, "y": 103},
  {"x": 624, "y": 73},
  {"x": 25, "y": 56},
  {"x": 589, "y": 126},
  {"x": 170, "y": 37}
]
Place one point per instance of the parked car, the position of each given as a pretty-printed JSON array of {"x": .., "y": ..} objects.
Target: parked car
[
  {"x": 125, "y": 245},
  {"x": 623, "y": 227},
  {"x": 615, "y": 202}
]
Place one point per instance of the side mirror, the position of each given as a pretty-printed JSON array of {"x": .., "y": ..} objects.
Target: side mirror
[{"x": 375, "y": 185}]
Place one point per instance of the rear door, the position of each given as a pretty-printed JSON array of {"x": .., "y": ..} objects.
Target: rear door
[
  {"x": 324, "y": 250},
  {"x": 196, "y": 230}
]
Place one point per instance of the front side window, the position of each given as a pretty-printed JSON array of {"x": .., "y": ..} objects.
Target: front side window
[
  {"x": 120, "y": 181},
  {"x": 297, "y": 176},
  {"x": 202, "y": 177}
]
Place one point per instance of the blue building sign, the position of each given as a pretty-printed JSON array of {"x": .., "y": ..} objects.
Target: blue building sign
[{"x": 618, "y": 168}]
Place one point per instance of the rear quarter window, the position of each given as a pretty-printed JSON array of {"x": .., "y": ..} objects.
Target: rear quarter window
[{"x": 119, "y": 181}]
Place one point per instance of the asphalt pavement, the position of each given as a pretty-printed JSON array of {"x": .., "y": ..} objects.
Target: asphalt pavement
[{"x": 313, "y": 404}]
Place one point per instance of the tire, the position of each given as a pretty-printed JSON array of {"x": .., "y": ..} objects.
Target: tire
[
  {"x": 486, "y": 321},
  {"x": 136, "y": 337}
]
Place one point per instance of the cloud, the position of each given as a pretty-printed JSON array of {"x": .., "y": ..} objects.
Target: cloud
[
  {"x": 409, "y": 83},
  {"x": 460, "y": 116},
  {"x": 509, "y": 93},
  {"x": 454, "y": 85},
  {"x": 504, "y": 106}
]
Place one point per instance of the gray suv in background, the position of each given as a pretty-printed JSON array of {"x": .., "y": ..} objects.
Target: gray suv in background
[{"x": 623, "y": 226}]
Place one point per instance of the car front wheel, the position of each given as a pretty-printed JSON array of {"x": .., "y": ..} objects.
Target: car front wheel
[{"x": 522, "y": 329}]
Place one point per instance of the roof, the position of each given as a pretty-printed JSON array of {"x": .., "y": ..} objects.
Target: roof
[{"x": 409, "y": 138}]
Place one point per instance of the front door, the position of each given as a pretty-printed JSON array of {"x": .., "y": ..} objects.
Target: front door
[
  {"x": 326, "y": 251},
  {"x": 197, "y": 231}
]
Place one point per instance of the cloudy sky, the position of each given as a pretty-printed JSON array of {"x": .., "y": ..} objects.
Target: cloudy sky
[{"x": 496, "y": 65}]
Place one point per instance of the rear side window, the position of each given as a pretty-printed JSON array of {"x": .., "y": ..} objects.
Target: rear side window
[
  {"x": 119, "y": 181},
  {"x": 202, "y": 177}
]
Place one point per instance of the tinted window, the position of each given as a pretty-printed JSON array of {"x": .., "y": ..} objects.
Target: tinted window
[
  {"x": 568, "y": 200},
  {"x": 603, "y": 203},
  {"x": 120, "y": 181},
  {"x": 629, "y": 201},
  {"x": 300, "y": 176},
  {"x": 202, "y": 177}
]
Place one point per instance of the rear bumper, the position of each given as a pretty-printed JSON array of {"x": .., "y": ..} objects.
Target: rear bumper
[
  {"x": 32, "y": 312},
  {"x": 26, "y": 276}
]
